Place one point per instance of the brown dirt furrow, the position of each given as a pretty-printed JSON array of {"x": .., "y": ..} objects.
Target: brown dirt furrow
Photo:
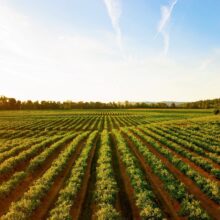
[
  {"x": 126, "y": 202},
  {"x": 94, "y": 125},
  {"x": 210, "y": 206},
  {"x": 77, "y": 208},
  {"x": 194, "y": 153},
  {"x": 88, "y": 205},
  {"x": 115, "y": 125},
  {"x": 21, "y": 166},
  {"x": 169, "y": 206},
  {"x": 48, "y": 200},
  {"x": 193, "y": 165},
  {"x": 122, "y": 202},
  {"x": 190, "y": 163},
  {"x": 82, "y": 124},
  {"x": 23, "y": 186},
  {"x": 89, "y": 124}
]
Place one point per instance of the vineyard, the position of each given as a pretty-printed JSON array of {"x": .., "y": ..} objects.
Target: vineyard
[{"x": 109, "y": 164}]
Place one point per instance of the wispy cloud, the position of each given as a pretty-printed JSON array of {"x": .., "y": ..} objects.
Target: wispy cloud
[
  {"x": 114, "y": 11},
  {"x": 206, "y": 63},
  {"x": 210, "y": 61},
  {"x": 166, "y": 13}
]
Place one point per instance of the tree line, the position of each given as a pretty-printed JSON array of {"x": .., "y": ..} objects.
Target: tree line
[{"x": 13, "y": 104}]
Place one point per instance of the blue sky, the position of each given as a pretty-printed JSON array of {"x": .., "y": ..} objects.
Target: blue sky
[{"x": 110, "y": 50}]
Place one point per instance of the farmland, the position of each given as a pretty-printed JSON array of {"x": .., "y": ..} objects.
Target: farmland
[{"x": 109, "y": 164}]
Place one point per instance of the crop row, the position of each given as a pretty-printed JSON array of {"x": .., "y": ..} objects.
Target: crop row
[
  {"x": 193, "y": 140},
  {"x": 67, "y": 195},
  {"x": 106, "y": 185},
  {"x": 209, "y": 187},
  {"x": 198, "y": 160},
  {"x": 35, "y": 163},
  {"x": 189, "y": 206},
  {"x": 144, "y": 197},
  {"x": 23, "y": 208},
  {"x": 11, "y": 162}
]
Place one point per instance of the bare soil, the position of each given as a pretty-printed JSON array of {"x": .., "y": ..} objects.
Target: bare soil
[
  {"x": 127, "y": 189},
  {"x": 77, "y": 208},
  {"x": 169, "y": 206},
  {"x": 212, "y": 208},
  {"x": 48, "y": 200}
]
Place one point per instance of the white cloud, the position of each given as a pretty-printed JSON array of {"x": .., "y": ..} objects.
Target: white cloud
[
  {"x": 114, "y": 11},
  {"x": 211, "y": 61},
  {"x": 206, "y": 63},
  {"x": 166, "y": 13}
]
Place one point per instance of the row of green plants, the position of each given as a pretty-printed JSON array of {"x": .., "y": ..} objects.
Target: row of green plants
[
  {"x": 110, "y": 122},
  {"x": 11, "y": 162},
  {"x": 14, "y": 151},
  {"x": 189, "y": 206},
  {"x": 106, "y": 186},
  {"x": 210, "y": 127},
  {"x": 90, "y": 123},
  {"x": 12, "y": 134},
  {"x": 209, "y": 187},
  {"x": 93, "y": 126},
  {"x": 86, "y": 123},
  {"x": 99, "y": 126},
  {"x": 198, "y": 160},
  {"x": 144, "y": 197},
  {"x": 128, "y": 121},
  {"x": 193, "y": 140},
  {"x": 105, "y": 126},
  {"x": 37, "y": 161},
  {"x": 62, "y": 125},
  {"x": 198, "y": 134},
  {"x": 188, "y": 145},
  {"x": 7, "y": 186},
  {"x": 31, "y": 199},
  {"x": 115, "y": 122},
  {"x": 9, "y": 151},
  {"x": 68, "y": 193},
  {"x": 81, "y": 124}
]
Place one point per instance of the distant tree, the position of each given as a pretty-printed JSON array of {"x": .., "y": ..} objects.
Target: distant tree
[
  {"x": 173, "y": 105},
  {"x": 216, "y": 111}
]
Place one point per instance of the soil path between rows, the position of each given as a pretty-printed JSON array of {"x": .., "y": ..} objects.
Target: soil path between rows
[
  {"x": 77, "y": 208},
  {"x": 123, "y": 205},
  {"x": 127, "y": 189},
  {"x": 193, "y": 152},
  {"x": 188, "y": 161},
  {"x": 210, "y": 206},
  {"x": 21, "y": 165},
  {"x": 48, "y": 200},
  {"x": 169, "y": 206},
  {"x": 87, "y": 203},
  {"x": 22, "y": 187}
]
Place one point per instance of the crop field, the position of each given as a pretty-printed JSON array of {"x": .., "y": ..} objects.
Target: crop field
[{"x": 109, "y": 164}]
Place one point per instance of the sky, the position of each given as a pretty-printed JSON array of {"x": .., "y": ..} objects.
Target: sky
[{"x": 110, "y": 50}]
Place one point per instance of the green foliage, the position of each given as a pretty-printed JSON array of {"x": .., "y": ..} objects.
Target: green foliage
[
  {"x": 30, "y": 200},
  {"x": 72, "y": 185},
  {"x": 145, "y": 198},
  {"x": 216, "y": 111},
  {"x": 211, "y": 188},
  {"x": 174, "y": 186},
  {"x": 191, "y": 208},
  {"x": 106, "y": 186}
]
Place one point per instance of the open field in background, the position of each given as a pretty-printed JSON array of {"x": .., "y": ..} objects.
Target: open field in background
[{"x": 110, "y": 164}]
